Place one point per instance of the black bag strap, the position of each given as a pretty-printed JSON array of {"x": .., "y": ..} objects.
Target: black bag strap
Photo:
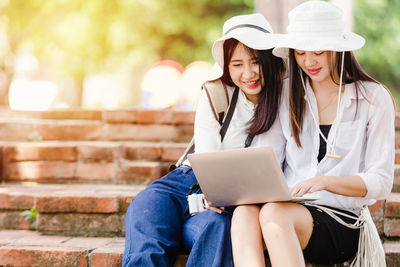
[
  {"x": 222, "y": 131},
  {"x": 229, "y": 115}
]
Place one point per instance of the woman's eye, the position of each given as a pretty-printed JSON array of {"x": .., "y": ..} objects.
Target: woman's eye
[
  {"x": 319, "y": 53},
  {"x": 300, "y": 53},
  {"x": 256, "y": 62},
  {"x": 236, "y": 65}
]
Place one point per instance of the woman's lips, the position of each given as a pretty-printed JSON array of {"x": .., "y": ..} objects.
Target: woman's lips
[
  {"x": 314, "y": 71},
  {"x": 252, "y": 84}
]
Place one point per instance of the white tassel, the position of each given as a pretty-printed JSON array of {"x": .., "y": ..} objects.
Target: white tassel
[{"x": 370, "y": 250}]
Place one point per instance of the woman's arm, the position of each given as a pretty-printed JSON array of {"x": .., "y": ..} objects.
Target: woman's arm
[
  {"x": 352, "y": 186},
  {"x": 206, "y": 127},
  {"x": 376, "y": 179}
]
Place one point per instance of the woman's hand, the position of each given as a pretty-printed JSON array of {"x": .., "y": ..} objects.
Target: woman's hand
[
  {"x": 309, "y": 186},
  {"x": 210, "y": 207},
  {"x": 352, "y": 186}
]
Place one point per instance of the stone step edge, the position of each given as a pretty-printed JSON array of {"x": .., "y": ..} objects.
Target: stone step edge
[
  {"x": 47, "y": 198},
  {"x": 68, "y": 198},
  {"x": 29, "y": 248},
  {"x": 89, "y": 151},
  {"x": 131, "y": 115}
]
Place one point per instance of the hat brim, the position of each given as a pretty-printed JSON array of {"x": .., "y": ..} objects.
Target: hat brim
[
  {"x": 249, "y": 37},
  {"x": 348, "y": 41},
  {"x": 215, "y": 73}
]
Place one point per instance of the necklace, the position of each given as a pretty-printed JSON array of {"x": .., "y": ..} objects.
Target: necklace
[{"x": 320, "y": 110}]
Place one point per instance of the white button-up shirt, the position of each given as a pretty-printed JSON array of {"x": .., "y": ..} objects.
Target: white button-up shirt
[
  {"x": 206, "y": 128},
  {"x": 364, "y": 140}
]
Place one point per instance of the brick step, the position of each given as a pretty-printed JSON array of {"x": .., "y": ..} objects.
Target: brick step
[
  {"x": 36, "y": 129},
  {"x": 28, "y": 248},
  {"x": 99, "y": 210},
  {"x": 76, "y": 124},
  {"x": 96, "y": 161},
  {"x": 87, "y": 162},
  {"x": 74, "y": 209}
]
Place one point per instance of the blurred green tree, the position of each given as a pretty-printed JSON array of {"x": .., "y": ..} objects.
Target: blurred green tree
[
  {"x": 379, "y": 22},
  {"x": 81, "y": 37}
]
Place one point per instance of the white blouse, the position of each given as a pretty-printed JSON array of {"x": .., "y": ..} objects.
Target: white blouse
[
  {"x": 206, "y": 128},
  {"x": 365, "y": 142}
]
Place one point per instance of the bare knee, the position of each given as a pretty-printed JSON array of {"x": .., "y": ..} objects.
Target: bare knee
[
  {"x": 277, "y": 213},
  {"x": 243, "y": 217}
]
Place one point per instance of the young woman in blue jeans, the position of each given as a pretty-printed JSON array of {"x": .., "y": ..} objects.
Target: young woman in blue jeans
[{"x": 158, "y": 224}]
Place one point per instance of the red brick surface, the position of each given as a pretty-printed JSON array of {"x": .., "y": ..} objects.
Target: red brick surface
[
  {"x": 139, "y": 172},
  {"x": 15, "y": 200},
  {"x": 86, "y": 198},
  {"x": 396, "y": 180},
  {"x": 120, "y": 116},
  {"x": 183, "y": 117},
  {"x": 42, "y": 256},
  {"x": 99, "y": 151},
  {"x": 70, "y": 130},
  {"x": 110, "y": 255},
  {"x": 184, "y": 133},
  {"x": 392, "y": 250},
  {"x": 78, "y": 203},
  {"x": 44, "y": 151},
  {"x": 142, "y": 151},
  {"x": 72, "y": 224},
  {"x": 96, "y": 171},
  {"x": 138, "y": 132},
  {"x": 13, "y": 220},
  {"x": 393, "y": 205},
  {"x": 36, "y": 170},
  {"x": 16, "y": 130},
  {"x": 71, "y": 114},
  {"x": 172, "y": 151},
  {"x": 392, "y": 227},
  {"x": 397, "y": 156},
  {"x": 164, "y": 116},
  {"x": 397, "y": 121}
]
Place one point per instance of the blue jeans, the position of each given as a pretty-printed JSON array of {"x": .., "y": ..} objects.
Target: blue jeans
[{"x": 158, "y": 227}]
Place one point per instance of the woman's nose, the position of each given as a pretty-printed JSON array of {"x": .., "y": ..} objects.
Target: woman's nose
[
  {"x": 309, "y": 59},
  {"x": 248, "y": 71}
]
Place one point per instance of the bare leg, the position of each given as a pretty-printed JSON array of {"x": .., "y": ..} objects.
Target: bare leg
[
  {"x": 286, "y": 228},
  {"x": 246, "y": 235}
]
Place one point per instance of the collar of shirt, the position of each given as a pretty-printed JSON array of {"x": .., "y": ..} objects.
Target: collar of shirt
[{"x": 250, "y": 106}]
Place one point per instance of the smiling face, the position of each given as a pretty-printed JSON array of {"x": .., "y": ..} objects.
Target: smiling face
[
  {"x": 316, "y": 64},
  {"x": 244, "y": 70}
]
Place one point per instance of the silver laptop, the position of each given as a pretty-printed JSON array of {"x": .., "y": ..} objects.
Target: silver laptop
[{"x": 241, "y": 176}]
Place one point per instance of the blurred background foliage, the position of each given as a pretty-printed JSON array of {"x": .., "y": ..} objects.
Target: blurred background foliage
[
  {"x": 78, "y": 37},
  {"x": 379, "y": 22},
  {"x": 75, "y": 38}
]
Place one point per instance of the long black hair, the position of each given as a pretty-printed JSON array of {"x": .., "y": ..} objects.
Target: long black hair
[{"x": 273, "y": 70}]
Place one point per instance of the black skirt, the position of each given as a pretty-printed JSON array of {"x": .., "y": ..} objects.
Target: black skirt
[{"x": 330, "y": 241}]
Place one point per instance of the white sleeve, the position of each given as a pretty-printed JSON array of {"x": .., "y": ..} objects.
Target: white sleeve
[
  {"x": 206, "y": 127},
  {"x": 379, "y": 153}
]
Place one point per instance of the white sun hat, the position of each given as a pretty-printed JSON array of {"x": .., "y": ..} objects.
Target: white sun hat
[
  {"x": 317, "y": 26},
  {"x": 252, "y": 30}
]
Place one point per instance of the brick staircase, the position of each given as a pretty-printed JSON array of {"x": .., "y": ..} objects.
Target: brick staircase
[{"x": 80, "y": 170}]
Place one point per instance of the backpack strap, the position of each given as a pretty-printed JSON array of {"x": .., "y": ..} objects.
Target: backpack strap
[
  {"x": 219, "y": 102},
  {"x": 218, "y": 97}
]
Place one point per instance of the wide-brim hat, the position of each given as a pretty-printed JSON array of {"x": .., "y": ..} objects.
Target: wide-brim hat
[
  {"x": 252, "y": 30},
  {"x": 317, "y": 26}
]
